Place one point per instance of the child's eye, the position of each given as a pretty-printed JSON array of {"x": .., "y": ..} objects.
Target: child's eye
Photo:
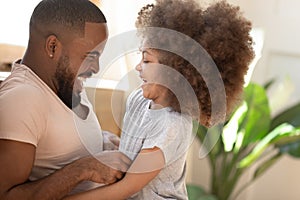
[{"x": 146, "y": 61}]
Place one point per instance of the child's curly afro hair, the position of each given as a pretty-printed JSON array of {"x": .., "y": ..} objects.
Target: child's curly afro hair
[{"x": 225, "y": 35}]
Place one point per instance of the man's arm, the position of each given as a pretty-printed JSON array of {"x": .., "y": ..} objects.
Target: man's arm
[
  {"x": 17, "y": 159},
  {"x": 145, "y": 168}
]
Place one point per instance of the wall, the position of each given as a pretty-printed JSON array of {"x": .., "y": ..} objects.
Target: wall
[
  {"x": 280, "y": 22},
  {"x": 280, "y": 19}
]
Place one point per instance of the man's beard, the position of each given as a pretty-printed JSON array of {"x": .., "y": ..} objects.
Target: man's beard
[{"x": 65, "y": 80}]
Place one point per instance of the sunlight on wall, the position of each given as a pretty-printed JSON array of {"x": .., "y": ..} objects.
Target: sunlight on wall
[
  {"x": 258, "y": 38},
  {"x": 121, "y": 17},
  {"x": 15, "y": 16}
]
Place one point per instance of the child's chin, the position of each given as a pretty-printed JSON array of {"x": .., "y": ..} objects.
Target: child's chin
[{"x": 146, "y": 93}]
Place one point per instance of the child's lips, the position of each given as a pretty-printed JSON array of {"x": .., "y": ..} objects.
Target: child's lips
[{"x": 144, "y": 80}]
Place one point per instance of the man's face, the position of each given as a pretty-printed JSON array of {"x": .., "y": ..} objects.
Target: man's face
[
  {"x": 65, "y": 81},
  {"x": 79, "y": 61}
]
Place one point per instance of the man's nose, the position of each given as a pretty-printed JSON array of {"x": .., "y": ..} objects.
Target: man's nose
[{"x": 95, "y": 67}]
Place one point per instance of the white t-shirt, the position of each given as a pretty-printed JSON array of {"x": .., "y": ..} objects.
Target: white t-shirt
[
  {"x": 31, "y": 112},
  {"x": 170, "y": 131}
]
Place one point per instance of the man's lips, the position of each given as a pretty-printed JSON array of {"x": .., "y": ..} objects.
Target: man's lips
[
  {"x": 78, "y": 85},
  {"x": 86, "y": 74}
]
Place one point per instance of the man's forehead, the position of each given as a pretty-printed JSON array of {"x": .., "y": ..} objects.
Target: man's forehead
[
  {"x": 96, "y": 28},
  {"x": 95, "y": 34},
  {"x": 90, "y": 45}
]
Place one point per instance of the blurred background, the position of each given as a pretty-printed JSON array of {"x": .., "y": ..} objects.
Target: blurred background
[{"x": 275, "y": 31}]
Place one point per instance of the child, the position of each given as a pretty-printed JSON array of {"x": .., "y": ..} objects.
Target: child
[{"x": 158, "y": 121}]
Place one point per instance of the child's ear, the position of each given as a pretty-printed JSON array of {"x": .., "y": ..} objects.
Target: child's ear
[{"x": 53, "y": 47}]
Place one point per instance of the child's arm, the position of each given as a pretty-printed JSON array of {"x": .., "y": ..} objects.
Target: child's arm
[{"x": 145, "y": 167}]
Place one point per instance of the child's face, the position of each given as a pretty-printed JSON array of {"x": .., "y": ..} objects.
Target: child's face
[{"x": 149, "y": 71}]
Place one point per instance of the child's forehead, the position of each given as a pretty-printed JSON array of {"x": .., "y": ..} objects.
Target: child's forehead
[
  {"x": 145, "y": 45},
  {"x": 148, "y": 50}
]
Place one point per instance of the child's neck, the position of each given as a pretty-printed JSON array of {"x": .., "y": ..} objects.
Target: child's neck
[{"x": 156, "y": 106}]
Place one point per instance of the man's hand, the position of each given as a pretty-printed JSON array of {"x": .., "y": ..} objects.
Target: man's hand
[
  {"x": 145, "y": 168},
  {"x": 106, "y": 167},
  {"x": 17, "y": 160},
  {"x": 110, "y": 141}
]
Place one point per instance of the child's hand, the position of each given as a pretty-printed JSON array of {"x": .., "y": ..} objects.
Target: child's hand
[{"x": 110, "y": 141}]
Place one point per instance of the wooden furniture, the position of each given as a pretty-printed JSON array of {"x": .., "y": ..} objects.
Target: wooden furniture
[{"x": 109, "y": 106}]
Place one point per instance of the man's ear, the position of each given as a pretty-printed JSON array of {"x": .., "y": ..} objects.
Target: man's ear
[{"x": 53, "y": 47}]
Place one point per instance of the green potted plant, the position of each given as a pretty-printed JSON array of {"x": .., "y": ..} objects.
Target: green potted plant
[{"x": 251, "y": 136}]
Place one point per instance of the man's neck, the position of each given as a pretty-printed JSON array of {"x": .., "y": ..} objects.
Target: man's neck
[{"x": 81, "y": 111}]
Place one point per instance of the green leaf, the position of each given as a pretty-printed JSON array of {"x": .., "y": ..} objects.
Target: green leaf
[
  {"x": 230, "y": 130},
  {"x": 269, "y": 84},
  {"x": 266, "y": 165},
  {"x": 211, "y": 142},
  {"x": 255, "y": 124},
  {"x": 290, "y": 115},
  {"x": 287, "y": 138},
  {"x": 293, "y": 147},
  {"x": 209, "y": 138},
  {"x": 194, "y": 191},
  {"x": 199, "y": 130},
  {"x": 208, "y": 197},
  {"x": 246, "y": 136},
  {"x": 264, "y": 143}
]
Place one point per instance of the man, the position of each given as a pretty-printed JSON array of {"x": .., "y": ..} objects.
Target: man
[{"x": 47, "y": 127}]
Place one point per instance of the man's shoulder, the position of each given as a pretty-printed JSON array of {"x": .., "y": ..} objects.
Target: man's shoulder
[
  {"x": 21, "y": 97},
  {"x": 23, "y": 80},
  {"x": 20, "y": 91}
]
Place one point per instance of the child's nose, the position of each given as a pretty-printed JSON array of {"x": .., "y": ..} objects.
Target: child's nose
[{"x": 138, "y": 67}]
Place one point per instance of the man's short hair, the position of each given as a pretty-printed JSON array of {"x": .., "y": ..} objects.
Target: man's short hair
[{"x": 66, "y": 14}]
